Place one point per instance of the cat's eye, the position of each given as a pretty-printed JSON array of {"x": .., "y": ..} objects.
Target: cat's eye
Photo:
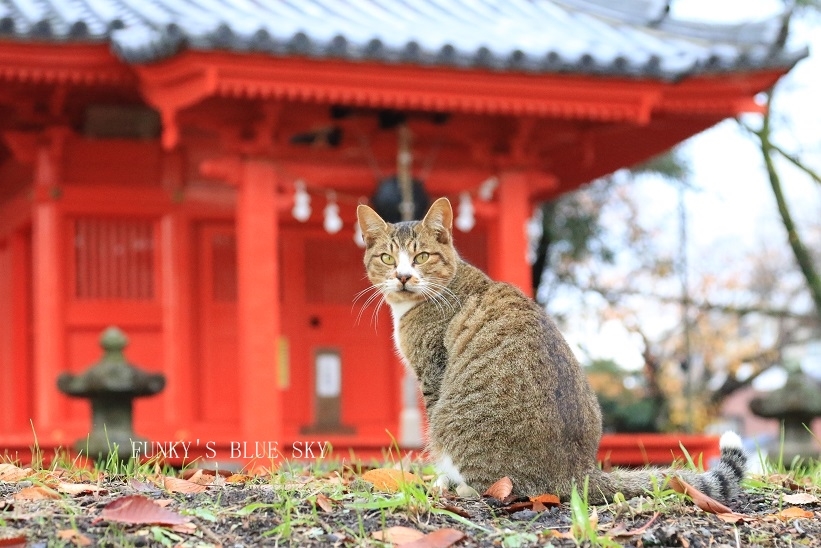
[
  {"x": 421, "y": 258},
  {"x": 388, "y": 259}
]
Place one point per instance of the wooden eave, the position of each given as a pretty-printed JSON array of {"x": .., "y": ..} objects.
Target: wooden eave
[
  {"x": 192, "y": 76},
  {"x": 49, "y": 63}
]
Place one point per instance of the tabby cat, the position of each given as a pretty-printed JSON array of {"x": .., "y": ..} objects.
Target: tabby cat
[{"x": 503, "y": 392}]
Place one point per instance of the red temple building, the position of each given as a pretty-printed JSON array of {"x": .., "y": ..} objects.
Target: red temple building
[{"x": 156, "y": 158}]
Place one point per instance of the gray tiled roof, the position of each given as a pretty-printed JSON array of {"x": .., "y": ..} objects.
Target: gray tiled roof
[{"x": 629, "y": 37}]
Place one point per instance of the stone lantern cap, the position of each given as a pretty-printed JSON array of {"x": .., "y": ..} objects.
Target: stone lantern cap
[
  {"x": 800, "y": 396},
  {"x": 112, "y": 374}
]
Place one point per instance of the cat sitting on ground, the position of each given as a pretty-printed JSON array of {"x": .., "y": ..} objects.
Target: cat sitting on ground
[{"x": 503, "y": 393}]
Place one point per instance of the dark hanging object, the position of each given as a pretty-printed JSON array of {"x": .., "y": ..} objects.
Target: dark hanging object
[
  {"x": 387, "y": 198},
  {"x": 329, "y": 136}
]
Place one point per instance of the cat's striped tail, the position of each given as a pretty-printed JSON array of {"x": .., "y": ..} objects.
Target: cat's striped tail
[{"x": 720, "y": 482}]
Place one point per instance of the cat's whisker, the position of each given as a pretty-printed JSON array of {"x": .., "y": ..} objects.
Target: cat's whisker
[
  {"x": 375, "y": 315},
  {"x": 445, "y": 295},
  {"x": 365, "y": 291},
  {"x": 376, "y": 291}
]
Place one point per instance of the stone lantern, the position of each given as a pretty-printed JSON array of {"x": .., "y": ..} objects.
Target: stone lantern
[
  {"x": 111, "y": 384},
  {"x": 796, "y": 405}
]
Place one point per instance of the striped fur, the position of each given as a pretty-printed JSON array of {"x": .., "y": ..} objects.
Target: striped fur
[{"x": 503, "y": 392}]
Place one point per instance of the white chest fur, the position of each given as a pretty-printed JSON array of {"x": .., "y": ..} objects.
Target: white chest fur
[{"x": 397, "y": 311}]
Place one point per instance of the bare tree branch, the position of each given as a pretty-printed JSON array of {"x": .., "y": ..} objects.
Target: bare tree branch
[
  {"x": 610, "y": 294},
  {"x": 802, "y": 256}
]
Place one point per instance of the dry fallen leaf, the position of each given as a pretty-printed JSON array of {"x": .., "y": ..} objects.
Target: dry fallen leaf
[
  {"x": 794, "y": 512},
  {"x": 74, "y": 536},
  {"x": 189, "y": 472},
  {"x": 12, "y": 473},
  {"x": 518, "y": 506},
  {"x": 79, "y": 489},
  {"x": 732, "y": 517},
  {"x": 139, "y": 510},
  {"x": 389, "y": 479},
  {"x": 800, "y": 498},
  {"x": 547, "y": 500},
  {"x": 443, "y": 538},
  {"x": 620, "y": 531},
  {"x": 177, "y": 485},
  {"x": 324, "y": 502},
  {"x": 457, "y": 510},
  {"x": 500, "y": 490},
  {"x": 398, "y": 535},
  {"x": 201, "y": 477},
  {"x": 708, "y": 504},
  {"x": 36, "y": 493}
]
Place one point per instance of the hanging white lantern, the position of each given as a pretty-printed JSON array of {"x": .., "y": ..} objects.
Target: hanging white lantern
[
  {"x": 464, "y": 218},
  {"x": 302, "y": 202},
  {"x": 534, "y": 233},
  {"x": 332, "y": 222},
  {"x": 487, "y": 188},
  {"x": 357, "y": 235}
]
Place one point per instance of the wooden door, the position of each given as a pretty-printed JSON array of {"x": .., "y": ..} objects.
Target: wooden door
[
  {"x": 343, "y": 378},
  {"x": 215, "y": 325}
]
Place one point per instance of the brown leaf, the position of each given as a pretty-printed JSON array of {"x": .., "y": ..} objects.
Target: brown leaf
[
  {"x": 443, "y": 538},
  {"x": 36, "y": 493},
  {"x": 186, "y": 528},
  {"x": 237, "y": 478},
  {"x": 518, "y": 506},
  {"x": 620, "y": 531},
  {"x": 398, "y": 535},
  {"x": 794, "y": 512},
  {"x": 177, "y": 485},
  {"x": 79, "y": 489},
  {"x": 189, "y": 472},
  {"x": 142, "y": 487},
  {"x": 732, "y": 517},
  {"x": 12, "y": 473},
  {"x": 500, "y": 490},
  {"x": 74, "y": 536},
  {"x": 800, "y": 498},
  {"x": 547, "y": 500},
  {"x": 201, "y": 477},
  {"x": 708, "y": 504},
  {"x": 538, "y": 507},
  {"x": 139, "y": 510},
  {"x": 389, "y": 479},
  {"x": 324, "y": 502},
  {"x": 457, "y": 510}
]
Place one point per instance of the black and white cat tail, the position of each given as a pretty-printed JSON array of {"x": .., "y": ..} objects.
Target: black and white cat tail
[{"x": 721, "y": 482}]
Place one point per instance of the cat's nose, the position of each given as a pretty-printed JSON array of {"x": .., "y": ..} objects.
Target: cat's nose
[{"x": 403, "y": 278}]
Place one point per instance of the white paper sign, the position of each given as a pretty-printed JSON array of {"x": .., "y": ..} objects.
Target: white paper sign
[{"x": 328, "y": 375}]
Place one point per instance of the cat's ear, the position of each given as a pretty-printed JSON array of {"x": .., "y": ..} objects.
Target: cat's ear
[
  {"x": 439, "y": 218},
  {"x": 370, "y": 223}
]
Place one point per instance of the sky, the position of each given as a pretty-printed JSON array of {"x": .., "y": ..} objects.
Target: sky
[{"x": 732, "y": 208}]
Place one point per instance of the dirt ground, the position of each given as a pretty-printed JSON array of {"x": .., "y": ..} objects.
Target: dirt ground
[{"x": 319, "y": 512}]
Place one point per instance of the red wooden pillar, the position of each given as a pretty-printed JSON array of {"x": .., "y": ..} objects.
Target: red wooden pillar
[
  {"x": 258, "y": 302},
  {"x": 176, "y": 284},
  {"x": 49, "y": 288},
  {"x": 508, "y": 240}
]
